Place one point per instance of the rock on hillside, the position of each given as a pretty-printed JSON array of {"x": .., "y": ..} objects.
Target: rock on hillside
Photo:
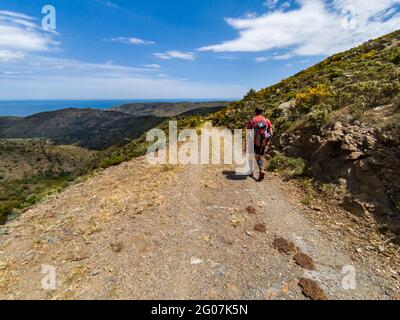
[{"x": 355, "y": 155}]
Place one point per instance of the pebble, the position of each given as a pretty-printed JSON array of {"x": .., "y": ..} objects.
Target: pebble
[{"x": 196, "y": 261}]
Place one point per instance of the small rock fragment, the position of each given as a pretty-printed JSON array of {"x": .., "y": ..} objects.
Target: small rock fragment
[
  {"x": 304, "y": 261},
  {"x": 316, "y": 208},
  {"x": 196, "y": 261},
  {"x": 284, "y": 246},
  {"x": 251, "y": 210},
  {"x": 311, "y": 289},
  {"x": 260, "y": 227}
]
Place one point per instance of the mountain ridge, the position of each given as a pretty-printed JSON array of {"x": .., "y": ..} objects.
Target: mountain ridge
[{"x": 169, "y": 109}]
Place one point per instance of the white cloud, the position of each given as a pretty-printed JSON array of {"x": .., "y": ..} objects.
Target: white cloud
[
  {"x": 175, "y": 55},
  {"x": 316, "y": 27},
  {"x": 6, "y": 55},
  {"x": 19, "y": 35},
  {"x": 108, "y": 4},
  {"x": 15, "y": 15},
  {"x": 227, "y": 57},
  {"x": 132, "y": 41},
  {"x": 271, "y": 4},
  {"x": 261, "y": 59},
  {"x": 275, "y": 56},
  {"x": 286, "y": 56},
  {"x": 152, "y": 66}
]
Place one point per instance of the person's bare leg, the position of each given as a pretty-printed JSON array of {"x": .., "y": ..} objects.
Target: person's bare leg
[
  {"x": 266, "y": 159},
  {"x": 260, "y": 164},
  {"x": 265, "y": 164}
]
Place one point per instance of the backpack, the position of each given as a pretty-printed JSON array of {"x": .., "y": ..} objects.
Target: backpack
[{"x": 261, "y": 133}]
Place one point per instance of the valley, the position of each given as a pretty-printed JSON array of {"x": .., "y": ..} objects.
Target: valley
[{"x": 41, "y": 154}]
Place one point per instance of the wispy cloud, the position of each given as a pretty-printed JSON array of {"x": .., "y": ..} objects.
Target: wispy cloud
[
  {"x": 271, "y": 4},
  {"x": 227, "y": 57},
  {"x": 314, "y": 27},
  {"x": 13, "y": 14},
  {"x": 53, "y": 78},
  {"x": 6, "y": 55},
  {"x": 132, "y": 41},
  {"x": 20, "y": 35},
  {"x": 152, "y": 66},
  {"x": 261, "y": 59},
  {"x": 274, "y": 4},
  {"x": 274, "y": 56},
  {"x": 108, "y": 4},
  {"x": 175, "y": 55}
]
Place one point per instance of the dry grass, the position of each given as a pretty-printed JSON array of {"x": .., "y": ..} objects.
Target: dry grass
[
  {"x": 76, "y": 275},
  {"x": 8, "y": 276}
]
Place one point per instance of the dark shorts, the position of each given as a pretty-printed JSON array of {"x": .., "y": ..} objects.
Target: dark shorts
[{"x": 261, "y": 150}]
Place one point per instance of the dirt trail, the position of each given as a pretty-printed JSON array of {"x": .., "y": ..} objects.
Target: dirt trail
[{"x": 155, "y": 232}]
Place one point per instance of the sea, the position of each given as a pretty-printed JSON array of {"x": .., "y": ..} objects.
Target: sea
[{"x": 23, "y": 108}]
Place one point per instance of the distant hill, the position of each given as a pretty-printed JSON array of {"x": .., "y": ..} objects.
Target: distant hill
[
  {"x": 90, "y": 128},
  {"x": 201, "y": 111},
  {"x": 6, "y": 122},
  {"x": 169, "y": 109}
]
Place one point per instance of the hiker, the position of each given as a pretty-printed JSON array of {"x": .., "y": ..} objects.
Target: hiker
[{"x": 263, "y": 132}]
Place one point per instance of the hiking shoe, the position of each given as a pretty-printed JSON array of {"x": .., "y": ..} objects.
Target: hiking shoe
[{"x": 262, "y": 176}]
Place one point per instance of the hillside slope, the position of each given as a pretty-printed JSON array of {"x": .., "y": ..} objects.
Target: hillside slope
[
  {"x": 338, "y": 122},
  {"x": 138, "y": 231},
  {"x": 170, "y": 109},
  {"x": 6, "y": 122},
  {"x": 90, "y": 128}
]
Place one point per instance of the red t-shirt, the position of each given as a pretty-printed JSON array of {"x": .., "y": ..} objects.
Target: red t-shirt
[{"x": 253, "y": 124}]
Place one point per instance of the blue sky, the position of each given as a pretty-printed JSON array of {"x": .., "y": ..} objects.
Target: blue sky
[{"x": 177, "y": 49}]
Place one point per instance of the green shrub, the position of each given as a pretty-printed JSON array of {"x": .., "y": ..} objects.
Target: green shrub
[
  {"x": 335, "y": 73},
  {"x": 250, "y": 95},
  {"x": 394, "y": 56},
  {"x": 33, "y": 199},
  {"x": 319, "y": 116},
  {"x": 343, "y": 98},
  {"x": 290, "y": 167},
  {"x": 308, "y": 188}
]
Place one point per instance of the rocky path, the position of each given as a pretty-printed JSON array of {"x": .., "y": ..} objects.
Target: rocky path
[{"x": 193, "y": 232}]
